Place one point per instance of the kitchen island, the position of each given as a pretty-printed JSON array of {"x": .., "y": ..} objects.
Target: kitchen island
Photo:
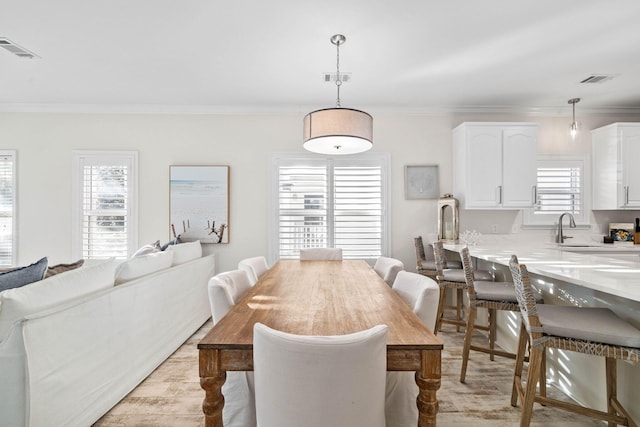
[
  {"x": 622, "y": 251},
  {"x": 611, "y": 276},
  {"x": 577, "y": 279}
]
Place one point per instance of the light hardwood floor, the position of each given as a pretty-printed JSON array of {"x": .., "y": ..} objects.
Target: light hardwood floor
[{"x": 171, "y": 396}]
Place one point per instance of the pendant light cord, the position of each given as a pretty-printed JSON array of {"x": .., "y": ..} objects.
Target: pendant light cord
[{"x": 338, "y": 77}]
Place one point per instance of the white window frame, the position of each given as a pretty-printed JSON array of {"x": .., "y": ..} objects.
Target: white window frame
[
  {"x": 11, "y": 156},
  {"x": 531, "y": 219},
  {"x": 366, "y": 159},
  {"x": 82, "y": 158}
]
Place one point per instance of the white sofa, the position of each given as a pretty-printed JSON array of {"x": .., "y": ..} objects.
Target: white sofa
[{"x": 67, "y": 364}]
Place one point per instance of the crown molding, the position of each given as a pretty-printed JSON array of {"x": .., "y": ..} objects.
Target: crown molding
[{"x": 542, "y": 111}]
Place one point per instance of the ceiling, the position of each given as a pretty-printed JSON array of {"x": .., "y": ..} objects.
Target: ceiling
[{"x": 271, "y": 56}]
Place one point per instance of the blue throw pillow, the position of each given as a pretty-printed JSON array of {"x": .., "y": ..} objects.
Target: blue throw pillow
[
  {"x": 23, "y": 275},
  {"x": 170, "y": 243}
]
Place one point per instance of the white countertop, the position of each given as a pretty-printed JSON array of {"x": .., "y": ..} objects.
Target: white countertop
[
  {"x": 594, "y": 247},
  {"x": 612, "y": 276}
]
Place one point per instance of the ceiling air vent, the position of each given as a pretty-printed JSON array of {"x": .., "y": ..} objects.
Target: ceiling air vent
[
  {"x": 16, "y": 50},
  {"x": 597, "y": 78}
]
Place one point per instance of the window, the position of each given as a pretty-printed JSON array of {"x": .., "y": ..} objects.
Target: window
[
  {"x": 329, "y": 202},
  {"x": 105, "y": 214},
  {"x": 560, "y": 188},
  {"x": 7, "y": 208}
]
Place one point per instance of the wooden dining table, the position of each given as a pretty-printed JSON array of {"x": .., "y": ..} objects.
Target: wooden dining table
[{"x": 320, "y": 298}]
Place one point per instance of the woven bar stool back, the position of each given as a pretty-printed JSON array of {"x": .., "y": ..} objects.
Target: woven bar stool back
[{"x": 425, "y": 266}]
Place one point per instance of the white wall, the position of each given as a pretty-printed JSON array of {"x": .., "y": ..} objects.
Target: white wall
[{"x": 44, "y": 142}]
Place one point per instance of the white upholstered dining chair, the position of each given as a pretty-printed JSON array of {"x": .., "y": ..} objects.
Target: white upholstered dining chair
[
  {"x": 225, "y": 289},
  {"x": 422, "y": 294},
  {"x": 320, "y": 381},
  {"x": 254, "y": 267},
  {"x": 387, "y": 268},
  {"x": 321, "y": 254}
]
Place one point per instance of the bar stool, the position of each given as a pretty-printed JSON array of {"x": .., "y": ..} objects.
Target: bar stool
[
  {"x": 490, "y": 295},
  {"x": 449, "y": 278},
  {"x": 425, "y": 262},
  {"x": 588, "y": 330}
]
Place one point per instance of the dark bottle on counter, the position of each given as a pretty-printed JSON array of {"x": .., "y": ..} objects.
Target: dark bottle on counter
[{"x": 636, "y": 236}]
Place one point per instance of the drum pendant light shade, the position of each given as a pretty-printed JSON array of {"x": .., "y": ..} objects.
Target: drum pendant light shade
[{"x": 338, "y": 131}]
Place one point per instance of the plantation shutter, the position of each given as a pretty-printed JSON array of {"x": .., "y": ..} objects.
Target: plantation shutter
[
  {"x": 358, "y": 211},
  {"x": 326, "y": 202},
  {"x": 106, "y": 191},
  {"x": 7, "y": 208},
  {"x": 302, "y": 205},
  {"x": 559, "y": 190}
]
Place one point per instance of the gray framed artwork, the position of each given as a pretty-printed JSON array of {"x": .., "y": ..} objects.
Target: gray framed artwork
[
  {"x": 199, "y": 198},
  {"x": 421, "y": 182}
]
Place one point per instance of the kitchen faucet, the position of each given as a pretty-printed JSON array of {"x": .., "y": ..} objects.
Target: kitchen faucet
[{"x": 572, "y": 224}]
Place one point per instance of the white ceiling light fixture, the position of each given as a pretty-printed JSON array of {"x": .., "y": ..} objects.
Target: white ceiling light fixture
[
  {"x": 573, "y": 129},
  {"x": 338, "y": 130}
]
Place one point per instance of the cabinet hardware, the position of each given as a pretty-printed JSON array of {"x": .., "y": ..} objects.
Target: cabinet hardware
[{"x": 626, "y": 195}]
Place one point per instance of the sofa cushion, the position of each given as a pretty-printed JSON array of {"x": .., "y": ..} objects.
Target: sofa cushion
[
  {"x": 61, "y": 268},
  {"x": 148, "y": 249},
  {"x": 142, "y": 265},
  {"x": 20, "y": 302},
  {"x": 24, "y": 275},
  {"x": 184, "y": 252}
]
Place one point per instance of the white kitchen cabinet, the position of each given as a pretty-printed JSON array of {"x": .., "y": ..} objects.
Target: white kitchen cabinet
[
  {"x": 494, "y": 165},
  {"x": 616, "y": 171}
]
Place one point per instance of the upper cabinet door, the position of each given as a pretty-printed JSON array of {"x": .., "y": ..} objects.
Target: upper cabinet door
[
  {"x": 484, "y": 166},
  {"x": 630, "y": 160},
  {"x": 495, "y": 165},
  {"x": 616, "y": 175},
  {"x": 519, "y": 169}
]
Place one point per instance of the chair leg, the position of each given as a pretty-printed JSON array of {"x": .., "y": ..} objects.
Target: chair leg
[
  {"x": 459, "y": 299},
  {"x": 523, "y": 338},
  {"x": 543, "y": 375},
  {"x": 492, "y": 332},
  {"x": 535, "y": 360},
  {"x": 443, "y": 294},
  {"x": 612, "y": 386},
  {"x": 471, "y": 317}
]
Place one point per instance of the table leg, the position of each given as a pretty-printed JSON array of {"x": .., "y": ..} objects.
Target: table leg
[
  {"x": 211, "y": 380},
  {"x": 428, "y": 380}
]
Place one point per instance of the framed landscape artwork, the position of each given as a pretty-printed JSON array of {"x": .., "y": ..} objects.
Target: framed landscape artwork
[
  {"x": 421, "y": 182},
  {"x": 199, "y": 203}
]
